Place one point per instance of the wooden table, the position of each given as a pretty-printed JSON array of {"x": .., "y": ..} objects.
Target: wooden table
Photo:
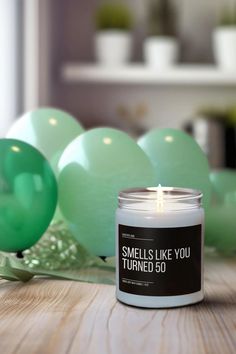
[{"x": 51, "y": 316}]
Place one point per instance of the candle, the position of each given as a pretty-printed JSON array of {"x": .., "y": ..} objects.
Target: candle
[{"x": 159, "y": 247}]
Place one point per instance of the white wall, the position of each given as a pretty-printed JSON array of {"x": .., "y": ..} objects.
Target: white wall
[
  {"x": 167, "y": 106},
  {"x": 8, "y": 63},
  {"x": 72, "y": 40},
  {"x": 37, "y": 34}
]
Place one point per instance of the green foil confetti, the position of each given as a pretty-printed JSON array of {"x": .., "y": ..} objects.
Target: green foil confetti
[
  {"x": 57, "y": 250},
  {"x": 58, "y": 255}
]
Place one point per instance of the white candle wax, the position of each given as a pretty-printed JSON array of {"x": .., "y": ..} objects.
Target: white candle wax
[{"x": 159, "y": 250}]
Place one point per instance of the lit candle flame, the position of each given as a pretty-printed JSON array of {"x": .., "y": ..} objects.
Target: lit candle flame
[{"x": 160, "y": 199}]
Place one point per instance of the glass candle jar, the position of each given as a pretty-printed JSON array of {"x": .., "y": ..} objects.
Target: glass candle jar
[{"x": 159, "y": 247}]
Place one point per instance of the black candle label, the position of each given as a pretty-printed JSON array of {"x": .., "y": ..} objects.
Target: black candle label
[{"x": 160, "y": 261}]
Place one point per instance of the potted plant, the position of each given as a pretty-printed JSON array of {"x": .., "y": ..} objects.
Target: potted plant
[
  {"x": 224, "y": 40},
  {"x": 161, "y": 48},
  {"x": 113, "y": 39}
]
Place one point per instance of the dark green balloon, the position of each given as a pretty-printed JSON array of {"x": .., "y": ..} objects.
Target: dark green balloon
[{"x": 28, "y": 195}]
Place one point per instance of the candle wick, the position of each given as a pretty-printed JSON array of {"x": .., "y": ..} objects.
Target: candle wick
[{"x": 160, "y": 198}]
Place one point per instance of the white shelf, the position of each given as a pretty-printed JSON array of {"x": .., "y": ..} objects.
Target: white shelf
[{"x": 139, "y": 74}]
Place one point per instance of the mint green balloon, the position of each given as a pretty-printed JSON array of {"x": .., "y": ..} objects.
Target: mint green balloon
[
  {"x": 49, "y": 130},
  {"x": 223, "y": 182},
  {"x": 28, "y": 195},
  {"x": 230, "y": 198},
  {"x": 221, "y": 217},
  {"x": 93, "y": 169},
  {"x": 220, "y": 228},
  {"x": 178, "y": 160}
]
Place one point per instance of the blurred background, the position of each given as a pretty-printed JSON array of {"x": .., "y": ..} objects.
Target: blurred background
[{"x": 134, "y": 65}]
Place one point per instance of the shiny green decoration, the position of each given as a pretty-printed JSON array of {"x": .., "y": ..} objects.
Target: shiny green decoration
[
  {"x": 93, "y": 169},
  {"x": 73, "y": 263},
  {"x": 28, "y": 195},
  {"x": 49, "y": 130},
  {"x": 178, "y": 160},
  {"x": 220, "y": 228},
  {"x": 58, "y": 254},
  {"x": 223, "y": 182},
  {"x": 57, "y": 250}
]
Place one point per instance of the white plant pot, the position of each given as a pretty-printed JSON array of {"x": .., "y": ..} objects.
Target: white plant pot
[
  {"x": 224, "y": 47},
  {"x": 160, "y": 51},
  {"x": 113, "y": 48}
]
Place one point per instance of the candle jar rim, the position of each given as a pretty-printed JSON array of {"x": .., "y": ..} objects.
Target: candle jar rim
[{"x": 174, "y": 198}]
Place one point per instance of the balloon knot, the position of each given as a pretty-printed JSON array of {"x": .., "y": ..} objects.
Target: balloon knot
[{"x": 19, "y": 254}]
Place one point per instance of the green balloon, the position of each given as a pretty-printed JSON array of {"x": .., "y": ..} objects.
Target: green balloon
[
  {"x": 93, "y": 169},
  {"x": 230, "y": 198},
  {"x": 220, "y": 228},
  {"x": 49, "y": 130},
  {"x": 28, "y": 195},
  {"x": 223, "y": 182},
  {"x": 178, "y": 160}
]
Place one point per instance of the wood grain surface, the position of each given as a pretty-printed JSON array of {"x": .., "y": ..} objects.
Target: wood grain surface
[{"x": 51, "y": 316}]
